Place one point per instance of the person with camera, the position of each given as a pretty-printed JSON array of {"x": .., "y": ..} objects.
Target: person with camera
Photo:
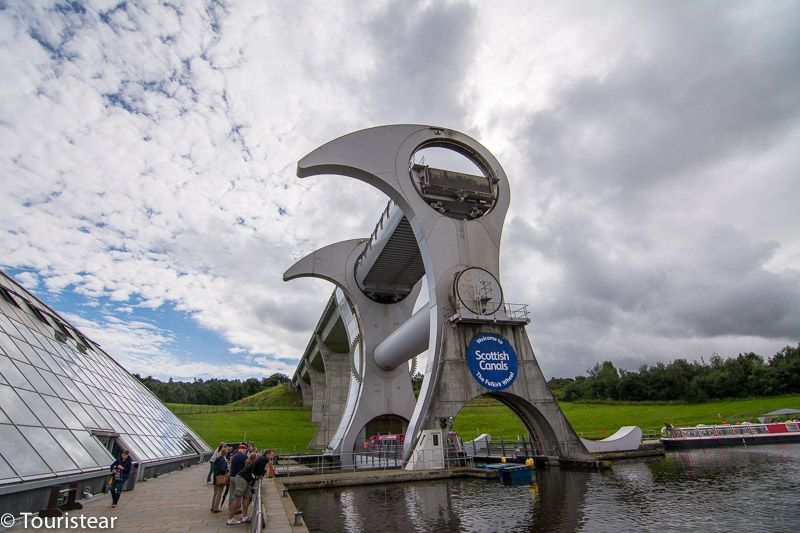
[{"x": 120, "y": 470}]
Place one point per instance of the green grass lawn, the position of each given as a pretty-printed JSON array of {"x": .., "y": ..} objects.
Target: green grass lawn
[
  {"x": 285, "y": 430},
  {"x": 290, "y": 430},
  {"x": 601, "y": 420}
]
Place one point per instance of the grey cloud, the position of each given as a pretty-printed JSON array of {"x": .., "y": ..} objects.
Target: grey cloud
[
  {"x": 704, "y": 81},
  {"x": 423, "y": 53}
]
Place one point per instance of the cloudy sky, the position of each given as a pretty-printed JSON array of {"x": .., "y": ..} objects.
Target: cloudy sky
[{"x": 148, "y": 150}]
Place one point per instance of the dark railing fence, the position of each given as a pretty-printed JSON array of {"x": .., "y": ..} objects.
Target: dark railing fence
[{"x": 186, "y": 409}]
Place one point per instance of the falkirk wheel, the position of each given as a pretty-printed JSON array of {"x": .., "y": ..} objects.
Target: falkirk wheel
[{"x": 444, "y": 225}]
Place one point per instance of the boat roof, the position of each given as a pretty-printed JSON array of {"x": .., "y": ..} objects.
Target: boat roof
[{"x": 785, "y": 411}]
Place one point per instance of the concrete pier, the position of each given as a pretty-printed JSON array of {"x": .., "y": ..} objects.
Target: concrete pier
[{"x": 377, "y": 477}]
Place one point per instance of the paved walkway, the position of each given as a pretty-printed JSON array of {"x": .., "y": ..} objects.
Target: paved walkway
[{"x": 181, "y": 502}]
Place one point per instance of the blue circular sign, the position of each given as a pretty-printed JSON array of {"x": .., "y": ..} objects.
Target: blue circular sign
[{"x": 492, "y": 361}]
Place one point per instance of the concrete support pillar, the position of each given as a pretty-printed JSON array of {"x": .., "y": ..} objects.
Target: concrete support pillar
[
  {"x": 337, "y": 382},
  {"x": 305, "y": 392},
  {"x": 318, "y": 394}
]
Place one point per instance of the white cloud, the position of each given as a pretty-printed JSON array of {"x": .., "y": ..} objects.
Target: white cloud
[{"x": 147, "y": 154}]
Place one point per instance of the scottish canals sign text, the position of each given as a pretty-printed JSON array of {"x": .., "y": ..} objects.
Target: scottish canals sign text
[{"x": 492, "y": 361}]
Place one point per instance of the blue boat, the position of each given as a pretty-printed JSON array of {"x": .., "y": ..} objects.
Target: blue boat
[{"x": 511, "y": 473}]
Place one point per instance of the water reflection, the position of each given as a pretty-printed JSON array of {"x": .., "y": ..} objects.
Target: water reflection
[
  {"x": 550, "y": 502},
  {"x": 727, "y": 489}
]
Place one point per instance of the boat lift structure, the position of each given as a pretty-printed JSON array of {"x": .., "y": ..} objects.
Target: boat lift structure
[{"x": 446, "y": 226}]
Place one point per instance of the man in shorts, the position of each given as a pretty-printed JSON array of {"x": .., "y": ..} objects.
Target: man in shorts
[{"x": 240, "y": 489}]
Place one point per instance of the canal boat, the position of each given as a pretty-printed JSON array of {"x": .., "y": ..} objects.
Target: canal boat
[
  {"x": 744, "y": 434},
  {"x": 511, "y": 473}
]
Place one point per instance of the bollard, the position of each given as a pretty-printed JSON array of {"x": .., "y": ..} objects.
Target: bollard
[{"x": 298, "y": 518}]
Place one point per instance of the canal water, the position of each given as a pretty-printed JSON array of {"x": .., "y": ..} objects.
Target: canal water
[{"x": 748, "y": 489}]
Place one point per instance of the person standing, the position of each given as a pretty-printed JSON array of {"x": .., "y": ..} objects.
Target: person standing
[
  {"x": 240, "y": 488},
  {"x": 120, "y": 470},
  {"x": 238, "y": 460},
  {"x": 221, "y": 470},
  {"x": 211, "y": 461}
]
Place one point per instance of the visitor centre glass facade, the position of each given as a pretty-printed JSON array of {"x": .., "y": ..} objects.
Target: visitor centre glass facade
[{"x": 67, "y": 408}]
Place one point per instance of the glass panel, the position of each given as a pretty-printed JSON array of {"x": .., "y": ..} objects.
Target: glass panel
[
  {"x": 63, "y": 412},
  {"x": 35, "y": 378},
  {"x": 73, "y": 389},
  {"x": 53, "y": 454},
  {"x": 41, "y": 409},
  {"x": 74, "y": 448},
  {"x": 134, "y": 447},
  {"x": 87, "y": 391},
  {"x": 12, "y": 374},
  {"x": 14, "y": 407},
  {"x": 6, "y": 472},
  {"x": 78, "y": 411},
  {"x": 58, "y": 387},
  {"x": 95, "y": 449},
  {"x": 17, "y": 451},
  {"x": 145, "y": 449},
  {"x": 36, "y": 358},
  {"x": 98, "y": 420},
  {"x": 10, "y": 348},
  {"x": 126, "y": 420},
  {"x": 27, "y": 349},
  {"x": 51, "y": 363},
  {"x": 5, "y": 323}
]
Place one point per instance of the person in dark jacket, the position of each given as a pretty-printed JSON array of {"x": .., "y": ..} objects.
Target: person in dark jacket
[
  {"x": 238, "y": 460},
  {"x": 220, "y": 469},
  {"x": 120, "y": 470},
  {"x": 240, "y": 488}
]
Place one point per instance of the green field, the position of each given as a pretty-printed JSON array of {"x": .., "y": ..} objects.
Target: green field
[
  {"x": 287, "y": 430},
  {"x": 290, "y": 430},
  {"x": 594, "y": 420}
]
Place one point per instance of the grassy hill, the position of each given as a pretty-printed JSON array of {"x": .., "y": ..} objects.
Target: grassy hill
[
  {"x": 279, "y": 396},
  {"x": 273, "y": 418},
  {"x": 284, "y": 430}
]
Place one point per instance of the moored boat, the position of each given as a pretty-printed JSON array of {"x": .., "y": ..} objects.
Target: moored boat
[{"x": 744, "y": 434}]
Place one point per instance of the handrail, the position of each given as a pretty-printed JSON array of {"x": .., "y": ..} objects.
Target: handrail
[
  {"x": 357, "y": 461},
  {"x": 257, "y": 518}
]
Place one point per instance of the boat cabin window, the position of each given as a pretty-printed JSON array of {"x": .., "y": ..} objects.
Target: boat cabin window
[
  {"x": 705, "y": 432},
  {"x": 741, "y": 430},
  {"x": 758, "y": 429},
  {"x": 724, "y": 430},
  {"x": 689, "y": 432},
  {"x": 792, "y": 427}
]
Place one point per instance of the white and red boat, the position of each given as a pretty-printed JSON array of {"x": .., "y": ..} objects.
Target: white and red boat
[{"x": 744, "y": 434}]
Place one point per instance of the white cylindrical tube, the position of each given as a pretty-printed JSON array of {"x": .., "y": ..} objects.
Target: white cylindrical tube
[{"x": 408, "y": 340}]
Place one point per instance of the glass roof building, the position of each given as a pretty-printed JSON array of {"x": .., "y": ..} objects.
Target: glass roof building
[{"x": 67, "y": 409}]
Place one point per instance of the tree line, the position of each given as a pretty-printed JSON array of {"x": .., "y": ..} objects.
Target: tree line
[
  {"x": 747, "y": 375},
  {"x": 211, "y": 391}
]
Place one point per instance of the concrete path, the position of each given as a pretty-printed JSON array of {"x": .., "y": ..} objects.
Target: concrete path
[{"x": 181, "y": 502}]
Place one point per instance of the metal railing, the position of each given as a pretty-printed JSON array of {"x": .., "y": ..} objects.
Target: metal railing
[
  {"x": 386, "y": 459},
  {"x": 257, "y": 516},
  {"x": 521, "y": 448},
  {"x": 506, "y": 313}
]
